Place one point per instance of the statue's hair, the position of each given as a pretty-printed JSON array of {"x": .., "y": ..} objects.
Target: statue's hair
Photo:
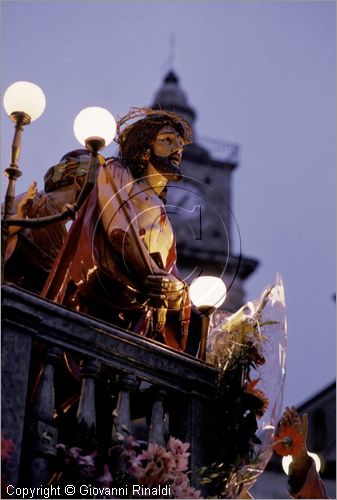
[{"x": 135, "y": 139}]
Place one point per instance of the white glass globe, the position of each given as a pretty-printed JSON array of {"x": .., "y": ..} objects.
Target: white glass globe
[
  {"x": 208, "y": 291},
  {"x": 94, "y": 122},
  {"x": 25, "y": 97},
  {"x": 286, "y": 461}
]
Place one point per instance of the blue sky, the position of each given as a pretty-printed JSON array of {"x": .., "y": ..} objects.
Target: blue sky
[{"x": 260, "y": 74}]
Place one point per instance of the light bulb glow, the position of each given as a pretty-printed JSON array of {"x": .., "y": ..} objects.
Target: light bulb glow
[
  {"x": 94, "y": 122},
  {"x": 208, "y": 291},
  {"x": 286, "y": 461},
  {"x": 25, "y": 97}
]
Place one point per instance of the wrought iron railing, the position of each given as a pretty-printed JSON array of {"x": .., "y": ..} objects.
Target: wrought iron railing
[{"x": 220, "y": 150}]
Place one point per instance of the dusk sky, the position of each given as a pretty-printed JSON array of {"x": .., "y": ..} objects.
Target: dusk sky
[{"x": 259, "y": 74}]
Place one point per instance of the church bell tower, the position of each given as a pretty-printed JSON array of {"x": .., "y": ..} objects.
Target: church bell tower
[{"x": 199, "y": 207}]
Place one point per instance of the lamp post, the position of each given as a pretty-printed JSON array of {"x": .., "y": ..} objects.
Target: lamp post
[
  {"x": 207, "y": 293},
  {"x": 24, "y": 102},
  {"x": 94, "y": 128}
]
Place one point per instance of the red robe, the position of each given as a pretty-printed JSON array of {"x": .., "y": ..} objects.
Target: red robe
[{"x": 313, "y": 486}]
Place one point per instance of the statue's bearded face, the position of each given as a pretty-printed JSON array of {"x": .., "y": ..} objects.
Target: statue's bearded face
[{"x": 166, "y": 152}]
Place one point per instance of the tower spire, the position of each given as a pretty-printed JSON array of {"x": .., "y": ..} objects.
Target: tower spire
[
  {"x": 169, "y": 62},
  {"x": 171, "y": 97},
  {"x": 172, "y": 50}
]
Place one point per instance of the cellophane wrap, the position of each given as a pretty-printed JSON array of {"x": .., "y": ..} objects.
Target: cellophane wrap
[{"x": 253, "y": 342}]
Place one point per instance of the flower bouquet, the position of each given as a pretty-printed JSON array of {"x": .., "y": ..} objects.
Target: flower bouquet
[
  {"x": 248, "y": 347},
  {"x": 128, "y": 469}
]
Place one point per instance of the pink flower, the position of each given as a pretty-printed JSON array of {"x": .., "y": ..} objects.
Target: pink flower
[
  {"x": 179, "y": 452},
  {"x": 7, "y": 447},
  {"x": 181, "y": 488},
  {"x": 87, "y": 460},
  {"x": 154, "y": 466},
  {"x": 177, "y": 446},
  {"x": 135, "y": 467},
  {"x": 106, "y": 479},
  {"x": 73, "y": 452}
]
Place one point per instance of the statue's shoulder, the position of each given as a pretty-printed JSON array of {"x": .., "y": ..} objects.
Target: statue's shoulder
[
  {"x": 116, "y": 166},
  {"x": 113, "y": 162},
  {"x": 117, "y": 173}
]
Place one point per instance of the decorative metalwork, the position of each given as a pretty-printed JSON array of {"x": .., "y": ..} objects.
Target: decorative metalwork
[{"x": 220, "y": 150}]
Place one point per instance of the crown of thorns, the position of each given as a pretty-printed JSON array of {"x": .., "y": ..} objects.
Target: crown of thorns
[{"x": 147, "y": 116}]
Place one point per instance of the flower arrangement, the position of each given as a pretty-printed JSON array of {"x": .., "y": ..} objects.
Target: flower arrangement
[
  {"x": 116, "y": 472},
  {"x": 248, "y": 347}
]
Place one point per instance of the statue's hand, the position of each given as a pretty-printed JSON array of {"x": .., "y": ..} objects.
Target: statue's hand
[
  {"x": 30, "y": 194},
  {"x": 165, "y": 288},
  {"x": 293, "y": 426},
  {"x": 291, "y": 423}
]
